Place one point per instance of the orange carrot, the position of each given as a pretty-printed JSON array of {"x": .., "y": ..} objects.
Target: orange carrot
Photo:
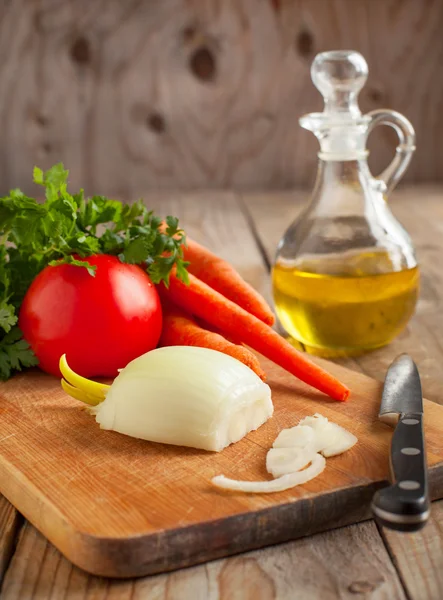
[
  {"x": 223, "y": 278},
  {"x": 180, "y": 329},
  {"x": 209, "y": 327},
  {"x": 199, "y": 299}
]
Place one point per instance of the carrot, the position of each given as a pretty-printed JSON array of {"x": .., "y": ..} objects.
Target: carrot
[
  {"x": 209, "y": 327},
  {"x": 199, "y": 299},
  {"x": 180, "y": 329},
  {"x": 222, "y": 277}
]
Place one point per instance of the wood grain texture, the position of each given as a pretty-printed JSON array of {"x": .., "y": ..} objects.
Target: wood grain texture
[
  {"x": 420, "y": 210},
  {"x": 9, "y": 525},
  {"x": 419, "y": 558},
  {"x": 348, "y": 563},
  {"x": 183, "y": 94}
]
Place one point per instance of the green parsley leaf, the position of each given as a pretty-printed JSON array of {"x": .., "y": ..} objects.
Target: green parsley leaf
[
  {"x": 15, "y": 354},
  {"x": 182, "y": 273},
  {"x": 38, "y": 176},
  {"x": 8, "y": 318},
  {"x": 172, "y": 223},
  {"x": 137, "y": 251},
  {"x": 71, "y": 260},
  {"x": 55, "y": 178},
  {"x": 98, "y": 210}
]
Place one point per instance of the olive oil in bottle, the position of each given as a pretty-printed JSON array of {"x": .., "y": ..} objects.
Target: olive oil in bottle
[
  {"x": 345, "y": 274},
  {"x": 344, "y": 314}
]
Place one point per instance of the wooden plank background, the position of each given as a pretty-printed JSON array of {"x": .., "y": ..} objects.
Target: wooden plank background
[{"x": 148, "y": 94}]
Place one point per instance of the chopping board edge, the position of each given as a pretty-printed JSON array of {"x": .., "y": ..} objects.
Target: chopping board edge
[{"x": 169, "y": 550}]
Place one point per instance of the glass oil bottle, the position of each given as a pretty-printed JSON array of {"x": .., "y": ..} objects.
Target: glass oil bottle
[{"x": 345, "y": 277}]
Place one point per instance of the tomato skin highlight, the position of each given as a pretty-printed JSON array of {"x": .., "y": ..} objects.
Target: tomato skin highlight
[{"x": 101, "y": 323}]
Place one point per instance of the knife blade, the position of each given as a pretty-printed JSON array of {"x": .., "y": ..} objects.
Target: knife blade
[{"x": 404, "y": 505}]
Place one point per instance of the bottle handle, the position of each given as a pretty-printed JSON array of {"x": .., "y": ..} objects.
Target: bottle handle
[{"x": 406, "y": 135}]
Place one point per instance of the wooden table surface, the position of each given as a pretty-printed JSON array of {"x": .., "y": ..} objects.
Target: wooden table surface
[{"x": 359, "y": 561}]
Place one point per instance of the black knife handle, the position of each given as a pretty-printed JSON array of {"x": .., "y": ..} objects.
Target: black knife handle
[{"x": 404, "y": 505}]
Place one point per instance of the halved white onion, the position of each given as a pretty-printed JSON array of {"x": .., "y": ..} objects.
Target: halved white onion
[{"x": 181, "y": 395}]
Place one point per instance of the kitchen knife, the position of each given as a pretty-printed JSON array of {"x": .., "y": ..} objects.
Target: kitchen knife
[{"x": 404, "y": 505}]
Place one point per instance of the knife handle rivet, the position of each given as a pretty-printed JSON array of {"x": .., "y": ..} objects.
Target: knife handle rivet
[
  {"x": 410, "y": 421},
  {"x": 410, "y": 451},
  {"x": 409, "y": 485}
]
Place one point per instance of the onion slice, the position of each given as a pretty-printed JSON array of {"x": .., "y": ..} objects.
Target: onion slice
[
  {"x": 295, "y": 437},
  {"x": 338, "y": 440},
  {"x": 276, "y": 485},
  {"x": 282, "y": 461},
  {"x": 331, "y": 439},
  {"x": 308, "y": 443}
]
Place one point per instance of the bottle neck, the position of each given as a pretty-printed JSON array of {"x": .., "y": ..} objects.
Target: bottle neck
[
  {"x": 343, "y": 171},
  {"x": 342, "y": 186}
]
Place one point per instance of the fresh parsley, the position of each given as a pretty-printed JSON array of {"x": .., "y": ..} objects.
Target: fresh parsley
[{"x": 64, "y": 228}]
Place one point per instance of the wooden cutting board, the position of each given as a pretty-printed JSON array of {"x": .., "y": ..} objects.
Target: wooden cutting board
[{"x": 121, "y": 507}]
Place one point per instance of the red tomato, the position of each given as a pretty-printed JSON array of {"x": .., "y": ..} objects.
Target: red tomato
[{"x": 101, "y": 323}]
